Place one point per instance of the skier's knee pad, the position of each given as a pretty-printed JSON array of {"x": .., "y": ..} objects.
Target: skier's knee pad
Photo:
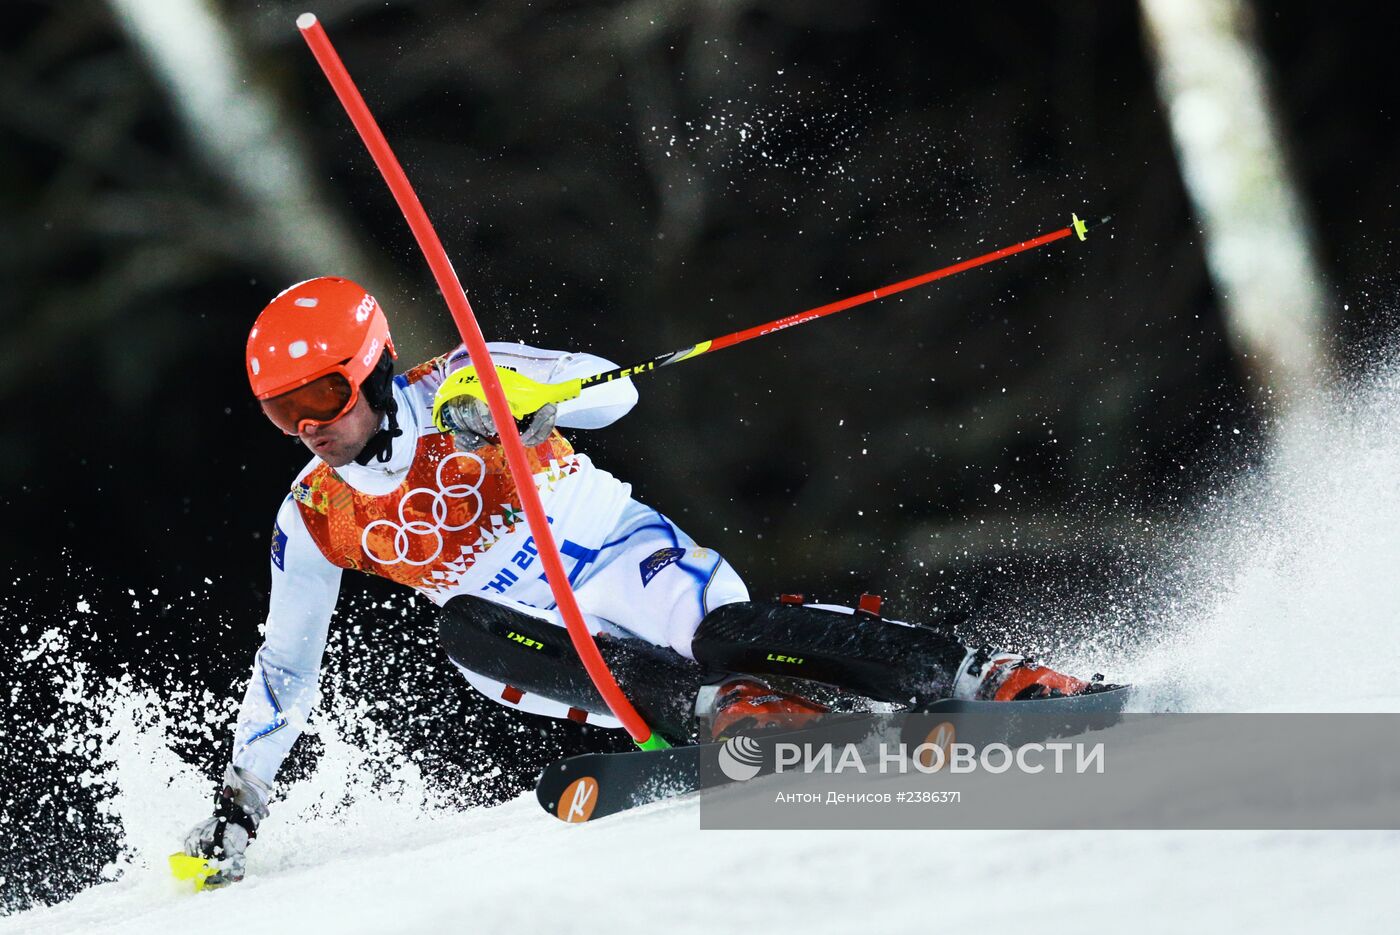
[
  {"x": 880, "y": 659},
  {"x": 536, "y": 656}
]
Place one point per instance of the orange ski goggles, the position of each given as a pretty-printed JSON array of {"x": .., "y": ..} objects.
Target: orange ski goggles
[{"x": 320, "y": 402}]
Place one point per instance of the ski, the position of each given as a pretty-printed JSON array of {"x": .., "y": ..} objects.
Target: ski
[{"x": 595, "y": 785}]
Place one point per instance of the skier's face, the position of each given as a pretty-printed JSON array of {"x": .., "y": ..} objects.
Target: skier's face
[{"x": 337, "y": 443}]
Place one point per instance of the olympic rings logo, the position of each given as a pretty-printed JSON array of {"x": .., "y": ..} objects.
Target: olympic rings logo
[{"x": 406, "y": 528}]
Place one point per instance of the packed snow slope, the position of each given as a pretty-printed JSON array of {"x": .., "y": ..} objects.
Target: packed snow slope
[{"x": 1295, "y": 607}]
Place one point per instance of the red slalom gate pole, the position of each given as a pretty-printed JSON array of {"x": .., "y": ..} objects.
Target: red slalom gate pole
[{"x": 461, "y": 309}]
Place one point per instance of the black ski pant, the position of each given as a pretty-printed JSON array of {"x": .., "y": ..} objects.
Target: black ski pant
[
  {"x": 862, "y": 654},
  {"x": 534, "y": 655}
]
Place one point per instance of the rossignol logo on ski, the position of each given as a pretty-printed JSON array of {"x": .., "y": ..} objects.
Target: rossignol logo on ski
[
  {"x": 933, "y": 753},
  {"x": 579, "y": 799},
  {"x": 740, "y": 758}
]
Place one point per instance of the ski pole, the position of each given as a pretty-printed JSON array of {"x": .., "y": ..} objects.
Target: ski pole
[
  {"x": 1077, "y": 227},
  {"x": 490, "y": 384},
  {"x": 526, "y": 395}
]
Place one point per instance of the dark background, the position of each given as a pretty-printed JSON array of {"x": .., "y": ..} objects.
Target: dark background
[{"x": 586, "y": 171}]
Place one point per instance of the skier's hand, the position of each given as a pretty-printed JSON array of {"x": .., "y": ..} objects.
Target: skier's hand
[
  {"x": 525, "y": 396},
  {"x": 470, "y": 420},
  {"x": 223, "y": 838}
]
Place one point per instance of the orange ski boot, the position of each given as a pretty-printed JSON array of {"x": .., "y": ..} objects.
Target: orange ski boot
[
  {"x": 1013, "y": 677},
  {"x": 745, "y": 704}
]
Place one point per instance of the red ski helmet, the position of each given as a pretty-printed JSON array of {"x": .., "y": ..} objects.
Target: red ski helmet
[{"x": 312, "y": 347}]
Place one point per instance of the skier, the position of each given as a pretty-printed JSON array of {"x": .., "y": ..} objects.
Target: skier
[{"x": 429, "y": 502}]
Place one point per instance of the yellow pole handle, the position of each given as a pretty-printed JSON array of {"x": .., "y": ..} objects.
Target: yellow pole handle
[{"x": 524, "y": 395}]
